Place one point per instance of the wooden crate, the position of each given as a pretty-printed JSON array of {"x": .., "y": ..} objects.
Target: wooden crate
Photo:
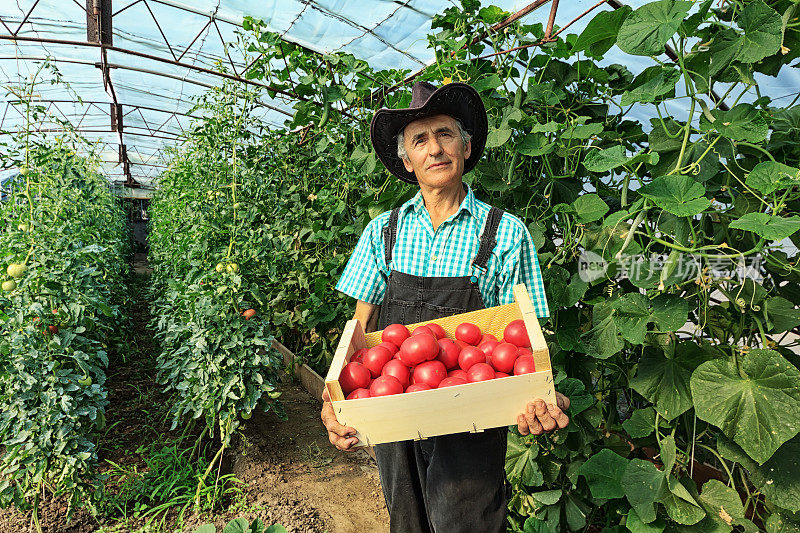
[{"x": 472, "y": 407}]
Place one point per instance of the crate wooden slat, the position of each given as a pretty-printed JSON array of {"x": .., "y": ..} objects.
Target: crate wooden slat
[{"x": 471, "y": 407}]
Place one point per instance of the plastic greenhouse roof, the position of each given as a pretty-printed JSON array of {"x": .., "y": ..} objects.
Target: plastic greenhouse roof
[{"x": 160, "y": 48}]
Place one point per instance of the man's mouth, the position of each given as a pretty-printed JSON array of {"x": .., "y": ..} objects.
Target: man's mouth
[{"x": 438, "y": 165}]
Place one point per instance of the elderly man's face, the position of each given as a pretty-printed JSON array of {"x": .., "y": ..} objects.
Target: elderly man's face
[{"x": 436, "y": 153}]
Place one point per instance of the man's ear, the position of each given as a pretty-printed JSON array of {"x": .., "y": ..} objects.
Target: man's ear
[
  {"x": 407, "y": 164},
  {"x": 467, "y": 150}
]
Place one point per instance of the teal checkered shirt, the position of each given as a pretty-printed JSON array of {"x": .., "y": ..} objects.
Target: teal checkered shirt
[{"x": 446, "y": 252}]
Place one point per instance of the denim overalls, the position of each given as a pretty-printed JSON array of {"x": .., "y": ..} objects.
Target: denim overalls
[{"x": 451, "y": 483}]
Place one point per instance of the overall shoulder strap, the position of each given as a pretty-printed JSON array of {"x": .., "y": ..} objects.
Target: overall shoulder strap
[
  {"x": 488, "y": 237},
  {"x": 390, "y": 235}
]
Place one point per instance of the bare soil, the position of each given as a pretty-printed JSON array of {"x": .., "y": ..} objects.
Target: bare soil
[{"x": 292, "y": 475}]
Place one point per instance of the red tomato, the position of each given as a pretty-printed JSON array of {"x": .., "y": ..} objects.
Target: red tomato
[
  {"x": 480, "y": 372},
  {"x": 385, "y": 386},
  {"x": 461, "y": 344},
  {"x": 392, "y": 347},
  {"x": 358, "y": 355},
  {"x": 397, "y": 370},
  {"x": 470, "y": 356},
  {"x": 395, "y": 333},
  {"x": 525, "y": 351},
  {"x": 375, "y": 358},
  {"x": 457, "y": 373},
  {"x": 469, "y": 333},
  {"x": 354, "y": 376},
  {"x": 488, "y": 347},
  {"x": 503, "y": 357},
  {"x": 417, "y": 349},
  {"x": 416, "y": 387},
  {"x": 437, "y": 330},
  {"x": 488, "y": 337},
  {"x": 430, "y": 373},
  {"x": 449, "y": 382},
  {"x": 499, "y": 375},
  {"x": 358, "y": 394},
  {"x": 524, "y": 365},
  {"x": 448, "y": 353},
  {"x": 53, "y": 329},
  {"x": 516, "y": 334},
  {"x": 422, "y": 330}
]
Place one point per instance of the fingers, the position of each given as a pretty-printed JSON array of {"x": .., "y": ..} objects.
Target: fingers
[
  {"x": 543, "y": 415},
  {"x": 562, "y": 401},
  {"x": 560, "y": 417},
  {"x": 534, "y": 425},
  {"x": 343, "y": 437}
]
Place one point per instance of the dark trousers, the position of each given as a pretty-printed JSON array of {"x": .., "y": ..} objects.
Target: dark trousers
[{"x": 452, "y": 483}]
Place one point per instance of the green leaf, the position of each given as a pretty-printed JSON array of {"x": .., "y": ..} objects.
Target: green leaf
[
  {"x": 579, "y": 399},
  {"x": 668, "y": 453},
  {"x": 782, "y": 314},
  {"x": 535, "y": 525},
  {"x": 582, "y": 131},
  {"x": 757, "y": 406},
  {"x": 771, "y": 227},
  {"x": 644, "y": 485},
  {"x": 606, "y": 159},
  {"x": 600, "y": 33},
  {"x": 778, "y": 478},
  {"x": 492, "y": 81},
  {"x": 665, "y": 137},
  {"x": 520, "y": 461},
  {"x": 548, "y": 127},
  {"x": 603, "y": 472},
  {"x": 646, "y": 31},
  {"x": 641, "y": 423},
  {"x": 722, "y": 503},
  {"x": 635, "y": 524},
  {"x": 663, "y": 82},
  {"x": 768, "y": 176},
  {"x": 237, "y": 525},
  {"x": 681, "y": 505},
  {"x": 535, "y": 144},
  {"x": 606, "y": 339},
  {"x": 665, "y": 381},
  {"x": 762, "y": 32},
  {"x": 670, "y": 312},
  {"x": 497, "y": 137},
  {"x": 547, "y": 497},
  {"x": 276, "y": 528},
  {"x": 680, "y": 195},
  {"x": 741, "y": 123},
  {"x": 631, "y": 316},
  {"x": 590, "y": 207},
  {"x": 206, "y": 528}
]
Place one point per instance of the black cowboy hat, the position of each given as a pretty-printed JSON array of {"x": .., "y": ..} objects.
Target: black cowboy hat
[{"x": 457, "y": 100}]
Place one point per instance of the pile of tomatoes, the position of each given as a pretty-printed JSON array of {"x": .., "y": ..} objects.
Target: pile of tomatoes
[{"x": 426, "y": 359}]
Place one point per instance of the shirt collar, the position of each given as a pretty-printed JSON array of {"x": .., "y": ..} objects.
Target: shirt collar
[{"x": 417, "y": 203}]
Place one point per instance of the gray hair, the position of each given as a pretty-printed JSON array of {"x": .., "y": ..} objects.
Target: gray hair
[{"x": 401, "y": 147}]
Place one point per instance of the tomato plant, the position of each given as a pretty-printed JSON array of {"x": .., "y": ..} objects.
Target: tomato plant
[{"x": 64, "y": 249}]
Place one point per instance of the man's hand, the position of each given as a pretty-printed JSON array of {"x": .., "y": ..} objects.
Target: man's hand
[
  {"x": 343, "y": 437},
  {"x": 540, "y": 418}
]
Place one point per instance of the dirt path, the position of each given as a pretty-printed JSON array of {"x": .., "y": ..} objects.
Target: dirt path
[{"x": 291, "y": 473}]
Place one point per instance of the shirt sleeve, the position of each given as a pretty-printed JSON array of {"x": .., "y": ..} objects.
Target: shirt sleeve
[
  {"x": 364, "y": 277},
  {"x": 522, "y": 266}
]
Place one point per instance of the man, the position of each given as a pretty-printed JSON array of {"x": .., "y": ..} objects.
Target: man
[{"x": 441, "y": 253}]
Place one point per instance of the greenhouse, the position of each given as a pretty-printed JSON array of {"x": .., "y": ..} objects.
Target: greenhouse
[{"x": 400, "y": 265}]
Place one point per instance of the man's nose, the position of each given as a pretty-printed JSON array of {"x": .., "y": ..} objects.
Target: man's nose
[{"x": 434, "y": 146}]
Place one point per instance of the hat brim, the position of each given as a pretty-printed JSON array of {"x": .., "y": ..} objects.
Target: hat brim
[{"x": 457, "y": 100}]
